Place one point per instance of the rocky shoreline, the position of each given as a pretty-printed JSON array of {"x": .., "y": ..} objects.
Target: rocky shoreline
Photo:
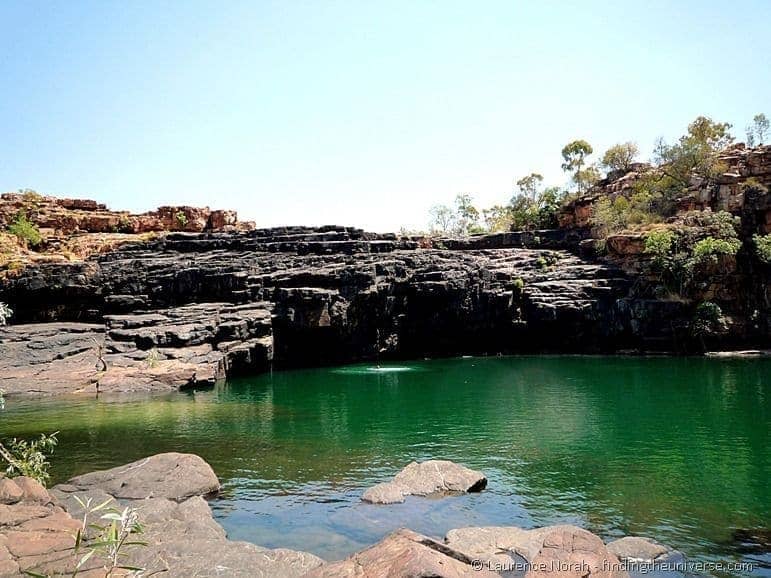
[{"x": 37, "y": 529}]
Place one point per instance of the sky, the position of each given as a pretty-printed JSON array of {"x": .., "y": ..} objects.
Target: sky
[{"x": 354, "y": 113}]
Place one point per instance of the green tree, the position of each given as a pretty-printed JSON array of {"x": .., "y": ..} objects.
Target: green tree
[
  {"x": 574, "y": 155},
  {"x": 695, "y": 153},
  {"x": 758, "y": 130},
  {"x": 498, "y": 218},
  {"x": 529, "y": 185},
  {"x": 441, "y": 219},
  {"x": 467, "y": 215},
  {"x": 620, "y": 157}
]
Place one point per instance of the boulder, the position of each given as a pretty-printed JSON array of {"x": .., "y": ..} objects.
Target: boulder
[
  {"x": 173, "y": 476},
  {"x": 553, "y": 550},
  {"x": 637, "y": 549},
  {"x": 403, "y": 553},
  {"x": 426, "y": 478},
  {"x": 10, "y": 492}
]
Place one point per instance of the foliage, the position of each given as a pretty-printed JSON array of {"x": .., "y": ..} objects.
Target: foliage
[
  {"x": 29, "y": 458},
  {"x": 708, "y": 320},
  {"x": 181, "y": 218},
  {"x": 620, "y": 157},
  {"x": 498, "y": 218},
  {"x": 125, "y": 226},
  {"x": 695, "y": 153},
  {"x": 462, "y": 220},
  {"x": 763, "y": 247},
  {"x": 709, "y": 249},
  {"x": 108, "y": 539},
  {"x": 574, "y": 155},
  {"x": 614, "y": 214},
  {"x": 659, "y": 245},
  {"x": 25, "y": 230},
  {"x": 30, "y": 196},
  {"x": 5, "y": 313},
  {"x": 529, "y": 185},
  {"x": 758, "y": 130}
]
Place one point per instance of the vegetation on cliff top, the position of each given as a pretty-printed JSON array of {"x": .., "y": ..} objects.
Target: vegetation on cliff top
[{"x": 693, "y": 158}]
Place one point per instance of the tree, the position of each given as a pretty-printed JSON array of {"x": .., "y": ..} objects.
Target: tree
[
  {"x": 462, "y": 220},
  {"x": 574, "y": 155},
  {"x": 620, "y": 157},
  {"x": 467, "y": 215},
  {"x": 442, "y": 219},
  {"x": 758, "y": 130},
  {"x": 695, "y": 153},
  {"x": 497, "y": 218},
  {"x": 529, "y": 185}
]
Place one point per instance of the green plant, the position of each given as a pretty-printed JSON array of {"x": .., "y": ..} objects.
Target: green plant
[
  {"x": 709, "y": 249},
  {"x": 29, "y": 458},
  {"x": 5, "y": 313},
  {"x": 25, "y": 230},
  {"x": 110, "y": 539},
  {"x": 708, "y": 320},
  {"x": 181, "y": 218},
  {"x": 620, "y": 157},
  {"x": 2, "y": 398},
  {"x": 659, "y": 245},
  {"x": 518, "y": 284},
  {"x": 762, "y": 248}
]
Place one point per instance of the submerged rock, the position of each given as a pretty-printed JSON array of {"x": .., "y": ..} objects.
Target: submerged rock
[
  {"x": 424, "y": 479},
  {"x": 637, "y": 549}
]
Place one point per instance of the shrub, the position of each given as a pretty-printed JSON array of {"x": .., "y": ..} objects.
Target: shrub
[
  {"x": 29, "y": 458},
  {"x": 763, "y": 247},
  {"x": 708, "y": 320},
  {"x": 25, "y": 230},
  {"x": 709, "y": 248},
  {"x": 659, "y": 244},
  {"x": 181, "y": 218}
]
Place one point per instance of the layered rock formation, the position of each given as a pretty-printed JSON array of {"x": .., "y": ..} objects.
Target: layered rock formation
[{"x": 186, "y": 309}]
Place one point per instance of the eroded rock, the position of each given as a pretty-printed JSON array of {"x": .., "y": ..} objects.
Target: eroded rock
[
  {"x": 426, "y": 478},
  {"x": 402, "y": 553}
]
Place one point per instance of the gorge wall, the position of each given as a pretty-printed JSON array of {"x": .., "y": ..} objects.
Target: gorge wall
[{"x": 183, "y": 296}]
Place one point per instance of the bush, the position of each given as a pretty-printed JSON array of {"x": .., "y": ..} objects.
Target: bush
[
  {"x": 763, "y": 247},
  {"x": 709, "y": 249},
  {"x": 29, "y": 459},
  {"x": 181, "y": 218},
  {"x": 25, "y": 230},
  {"x": 708, "y": 320},
  {"x": 659, "y": 244}
]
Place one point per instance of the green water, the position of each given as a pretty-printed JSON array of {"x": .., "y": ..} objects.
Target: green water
[{"x": 676, "y": 449}]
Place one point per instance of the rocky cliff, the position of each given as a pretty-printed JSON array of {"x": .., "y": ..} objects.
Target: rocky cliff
[{"x": 185, "y": 308}]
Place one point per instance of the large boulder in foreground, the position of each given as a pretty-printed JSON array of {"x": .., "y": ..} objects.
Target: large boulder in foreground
[
  {"x": 426, "y": 478},
  {"x": 551, "y": 551},
  {"x": 403, "y": 553},
  {"x": 173, "y": 476},
  {"x": 37, "y": 533}
]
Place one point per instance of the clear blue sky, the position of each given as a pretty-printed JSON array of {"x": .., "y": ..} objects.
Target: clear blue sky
[{"x": 362, "y": 113}]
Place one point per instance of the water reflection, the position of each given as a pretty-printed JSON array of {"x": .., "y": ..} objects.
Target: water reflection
[{"x": 672, "y": 448}]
